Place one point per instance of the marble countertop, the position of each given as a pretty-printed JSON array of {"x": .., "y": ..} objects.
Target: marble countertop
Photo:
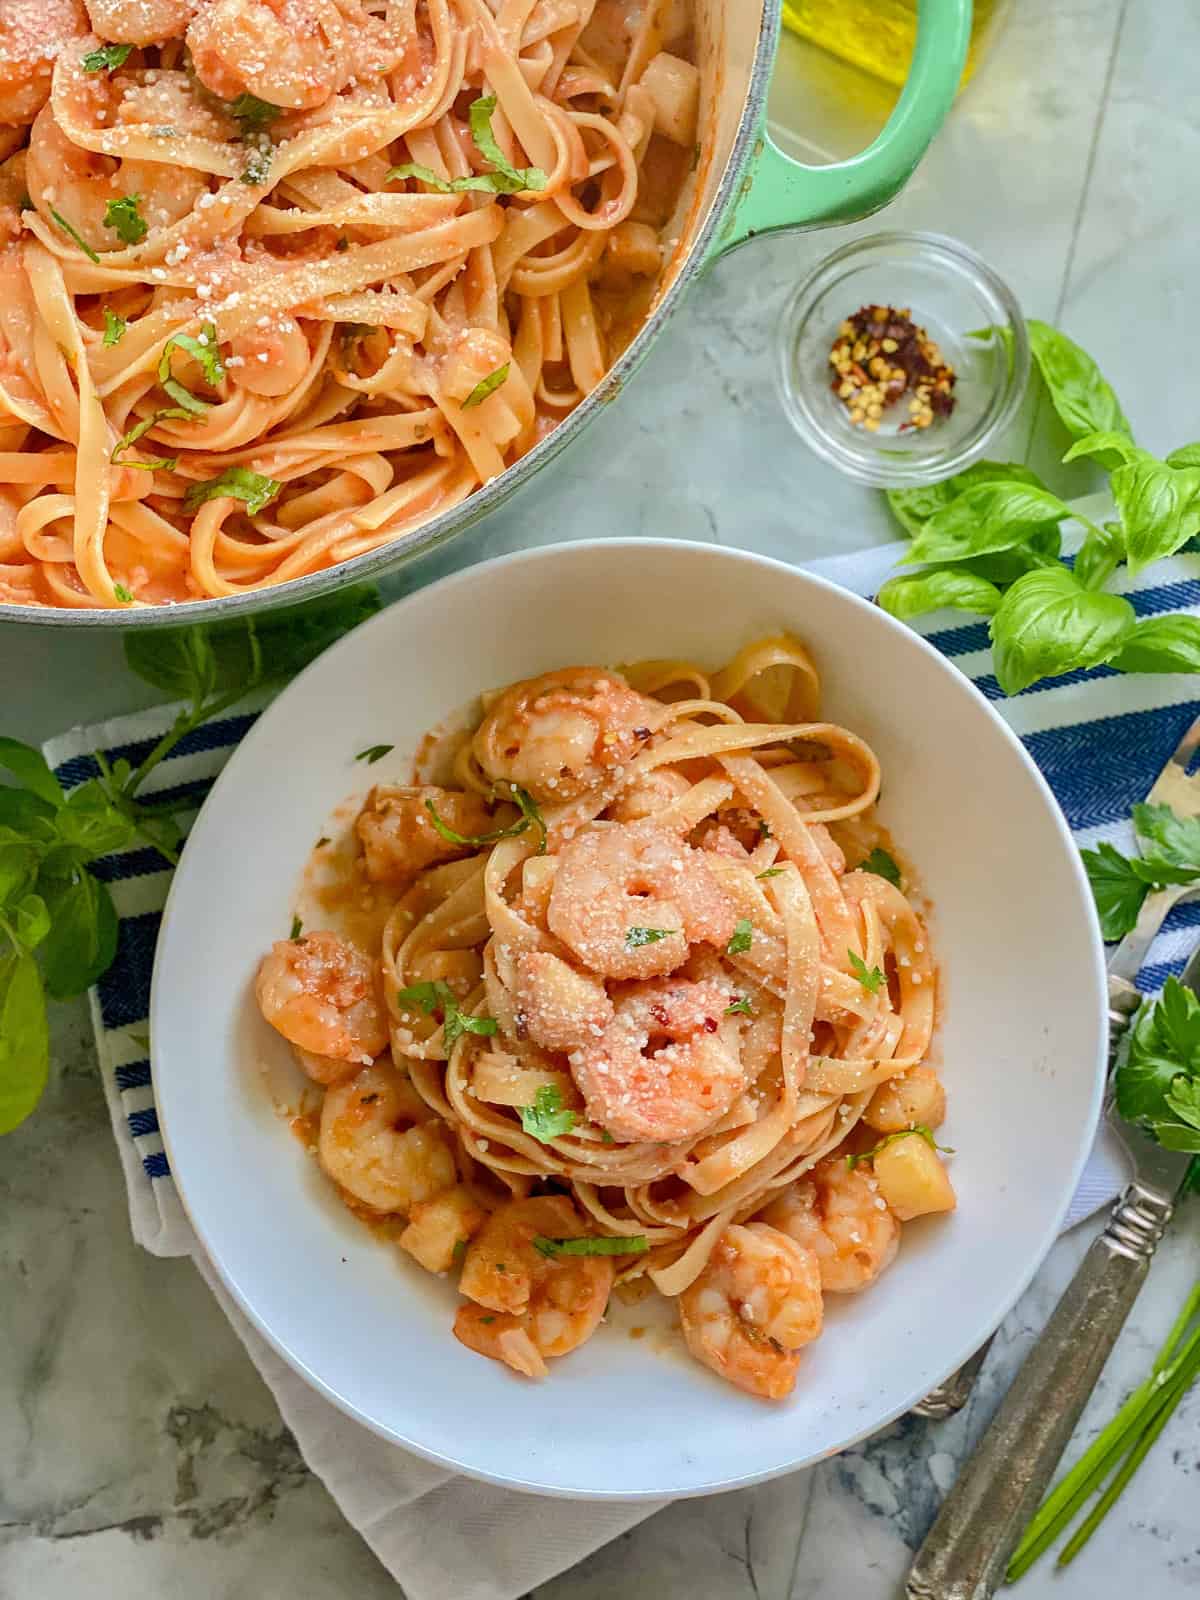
[{"x": 139, "y": 1451}]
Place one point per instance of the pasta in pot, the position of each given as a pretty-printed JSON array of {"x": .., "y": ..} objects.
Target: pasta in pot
[
  {"x": 670, "y": 997},
  {"x": 282, "y": 279}
]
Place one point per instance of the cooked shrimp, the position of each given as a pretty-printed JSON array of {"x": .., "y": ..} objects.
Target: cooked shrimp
[
  {"x": 141, "y": 21},
  {"x": 32, "y": 32},
  {"x": 323, "y": 995},
  {"x": 648, "y": 795},
  {"x": 378, "y": 1142},
  {"x": 273, "y": 360},
  {"x": 557, "y": 1006},
  {"x": 840, "y": 1215},
  {"x": 83, "y": 184},
  {"x": 529, "y": 1307},
  {"x": 757, "y": 1302},
  {"x": 629, "y": 898},
  {"x": 291, "y": 53},
  {"x": 676, "y": 1089},
  {"x": 565, "y": 732},
  {"x": 398, "y": 835},
  {"x": 912, "y": 1097}
]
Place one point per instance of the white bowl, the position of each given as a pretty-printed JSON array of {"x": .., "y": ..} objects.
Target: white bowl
[{"x": 1022, "y": 1041}]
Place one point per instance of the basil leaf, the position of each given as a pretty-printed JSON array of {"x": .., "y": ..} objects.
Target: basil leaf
[
  {"x": 488, "y": 386},
  {"x": 235, "y": 483},
  {"x": 1098, "y": 558},
  {"x": 1188, "y": 455},
  {"x": 32, "y": 921},
  {"x": 1078, "y": 392},
  {"x": 139, "y": 430},
  {"x": 479, "y": 117},
  {"x": 114, "y": 328},
  {"x": 82, "y": 940},
  {"x": 252, "y": 113},
  {"x": 106, "y": 58},
  {"x": 1049, "y": 623},
  {"x": 986, "y": 518},
  {"x": 546, "y": 1119},
  {"x": 92, "y": 823},
  {"x": 592, "y": 1245},
  {"x": 374, "y": 753},
  {"x": 1159, "y": 507},
  {"x": 18, "y": 869},
  {"x": 24, "y": 1040},
  {"x": 179, "y": 660},
  {"x": 482, "y": 182},
  {"x": 935, "y": 589},
  {"x": 29, "y": 767},
  {"x": 1162, "y": 644},
  {"x": 472, "y": 841},
  {"x": 74, "y": 233},
  {"x": 913, "y": 508},
  {"x": 1117, "y": 890},
  {"x": 126, "y": 220},
  {"x": 27, "y": 814},
  {"x": 1104, "y": 447},
  {"x": 882, "y": 865}
]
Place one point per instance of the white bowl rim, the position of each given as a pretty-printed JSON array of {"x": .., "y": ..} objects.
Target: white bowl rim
[{"x": 242, "y": 1296}]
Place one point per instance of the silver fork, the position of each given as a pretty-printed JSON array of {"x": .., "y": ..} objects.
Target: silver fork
[
  {"x": 998, "y": 1490},
  {"x": 1175, "y": 788}
]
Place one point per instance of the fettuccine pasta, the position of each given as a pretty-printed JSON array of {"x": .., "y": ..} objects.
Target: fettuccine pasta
[
  {"x": 634, "y": 991},
  {"x": 280, "y": 280}
]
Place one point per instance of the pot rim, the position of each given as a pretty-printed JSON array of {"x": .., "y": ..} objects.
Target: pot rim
[{"x": 458, "y": 519}]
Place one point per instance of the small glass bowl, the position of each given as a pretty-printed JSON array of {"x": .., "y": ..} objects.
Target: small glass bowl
[{"x": 950, "y": 291}]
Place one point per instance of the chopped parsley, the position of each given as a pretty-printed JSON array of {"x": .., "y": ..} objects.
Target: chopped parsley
[
  {"x": 919, "y": 1128},
  {"x": 297, "y": 928},
  {"x": 436, "y": 996},
  {"x": 374, "y": 753},
  {"x": 740, "y": 1007},
  {"x": 606, "y": 1137},
  {"x": 486, "y": 1322},
  {"x": 235, "y": 483},
  {"x": 591, "y": 1245},
  {"x": 73, "y": 233},
  {"x": 869, "y": 977},
  {"x": 488, "y": 386},
  {"x": 770, "y": 872},
  {"x": 882, "y": 865},
  {"x": 253, "y": 114},
  {"x": 126, "y": 220},
  {"x": 106, "y": 58},
  {"x": 743, "y": 937},
  {"x": 114, "y": 328},
  {"x": 636, "y": 937},
  {"x": 546, "y": 1118},
  {"x": 529, "y": 815},
  {"x": 122, "y": 593}
]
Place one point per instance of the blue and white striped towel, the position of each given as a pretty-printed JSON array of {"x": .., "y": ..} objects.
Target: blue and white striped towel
[{"x": 1099, "y": 738}]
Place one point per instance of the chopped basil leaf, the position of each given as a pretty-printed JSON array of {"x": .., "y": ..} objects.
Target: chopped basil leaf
[
  {"x": 374, "y": 753},
  {"x": 740, "y": 1007},
  {"x": 458, "y": 1254},
  {"x": 488, "y": 386},
  {"x": 917, "y": 1127},
  {"x": 73, "y": 233},
  {"x": 546, "y": 1119},
  {"x": 771, "y": 872},
  {"x": 155, "y": 463},
  {"x": 207, "y": 352},
  {"x": 235, "y": 483},
  {"x": 636, "y": 937},
  {"x": 479, "y": 115},
  {"x": 882, "y": 865},
  {"x": 529, "y": 814},
  {"x": 592, "y": 1245},
  {"x": 297, "y": 928},
  {"x": 122, "y": 593},
  {"x": 106, "y": 58},
  {"x": 743, "y": 937},
  {"x": 127, "y": 221},
  {"x": 870, "y": 978},
  {"x": 114, "y": 328},
  {"x": 606, "y": 1137},
  {"x": 252, "y": 113}
]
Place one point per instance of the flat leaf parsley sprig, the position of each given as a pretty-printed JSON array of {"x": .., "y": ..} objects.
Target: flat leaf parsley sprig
[
  {"x": 58, "y": 925},
  {"x": 988, "y": 541}
]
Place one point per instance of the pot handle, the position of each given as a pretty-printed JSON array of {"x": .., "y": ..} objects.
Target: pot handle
[{"x": 781, "y": 193}]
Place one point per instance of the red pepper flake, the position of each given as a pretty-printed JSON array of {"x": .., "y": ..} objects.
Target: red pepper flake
[{"x": 879, "y": 355}]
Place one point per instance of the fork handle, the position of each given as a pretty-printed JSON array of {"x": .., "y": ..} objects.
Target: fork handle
[{"x": 1002, "y": 1485}]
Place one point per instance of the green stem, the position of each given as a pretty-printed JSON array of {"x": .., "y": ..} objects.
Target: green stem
[
  {"x": 1157, "y": 1421},
  {"x": 185, "y": 722},
  {"x": 1191, "y": 1307}
]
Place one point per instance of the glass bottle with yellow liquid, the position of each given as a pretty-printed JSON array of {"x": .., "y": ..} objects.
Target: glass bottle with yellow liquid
[{"x": 878, "y": 35}]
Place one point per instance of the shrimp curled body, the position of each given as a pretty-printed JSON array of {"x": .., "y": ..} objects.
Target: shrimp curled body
[
  {"x": 528, "y": 1307},
  {"x": 667, "y": 1067},
  {"x": 321, "y": 994},
  {"x": 840, "y": 1215},
  {"x": 757, "y": 1302},
  {"x": 630, "y": 898},
  {"x": 379, "y": 1142}
]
